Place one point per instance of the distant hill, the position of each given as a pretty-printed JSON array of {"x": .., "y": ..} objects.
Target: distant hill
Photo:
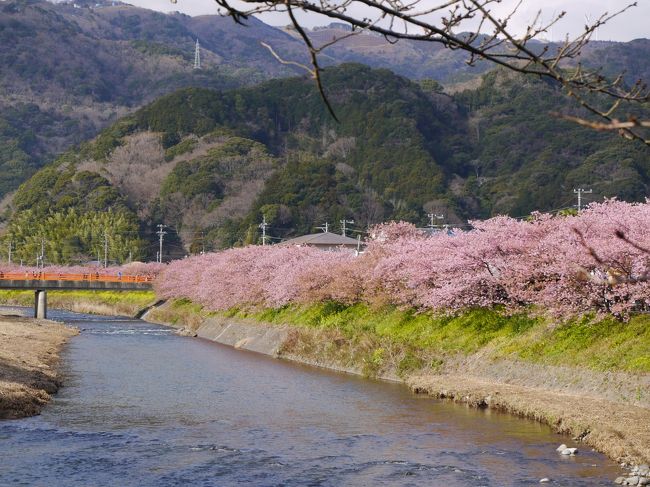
[
  {"x": 69, "y": 72},
  {"x": 211, "y": 163}
]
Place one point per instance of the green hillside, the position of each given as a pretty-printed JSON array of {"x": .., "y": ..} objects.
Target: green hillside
[{"x": 71, "y": 70}]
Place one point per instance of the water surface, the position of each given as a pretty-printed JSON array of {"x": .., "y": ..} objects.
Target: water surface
[{"x": 143, "y": 407}]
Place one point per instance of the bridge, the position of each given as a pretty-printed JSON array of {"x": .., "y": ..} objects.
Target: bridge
[{"x": 41, "y": 282}]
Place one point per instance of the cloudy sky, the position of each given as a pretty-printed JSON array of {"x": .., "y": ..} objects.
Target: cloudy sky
[{"x": 631, "y": 25}]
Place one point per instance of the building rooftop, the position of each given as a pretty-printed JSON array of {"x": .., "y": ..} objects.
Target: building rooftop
[{"x": 323, "y": 238}]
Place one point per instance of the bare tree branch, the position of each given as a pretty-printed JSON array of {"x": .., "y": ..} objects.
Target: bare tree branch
[
  {"x": 440, "y": 21},
  {"x": 617, "y": 272}
]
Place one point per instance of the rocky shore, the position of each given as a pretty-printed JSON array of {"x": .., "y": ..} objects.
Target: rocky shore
[
  {"x": 29, "y": 358},
  {"x": 639, "y": 475},
  {"x": 620, "y": 431}
]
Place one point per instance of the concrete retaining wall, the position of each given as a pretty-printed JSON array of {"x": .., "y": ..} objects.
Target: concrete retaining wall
[{"x": 247, "y": 336}]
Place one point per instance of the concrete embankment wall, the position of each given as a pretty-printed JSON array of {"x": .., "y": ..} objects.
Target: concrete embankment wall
[{"x": 246, "y": 336}]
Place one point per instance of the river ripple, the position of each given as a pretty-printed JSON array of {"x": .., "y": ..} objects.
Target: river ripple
[{"x": 143, "y": 407}]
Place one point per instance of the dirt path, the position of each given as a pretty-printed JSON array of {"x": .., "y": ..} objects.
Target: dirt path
[
  {"x": 621, "y": 432},
  {"x": 29, "y": 355}
]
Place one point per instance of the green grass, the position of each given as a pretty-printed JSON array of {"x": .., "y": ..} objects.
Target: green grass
[
  {"x": 600, "y": 344},
  {"x": 122, "y": 302},
  {"x": 181, "y": 313},
  {"x": 606, "y": 344}
]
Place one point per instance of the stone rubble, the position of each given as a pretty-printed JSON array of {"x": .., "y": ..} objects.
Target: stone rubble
[{"x": 639, "y": 476}]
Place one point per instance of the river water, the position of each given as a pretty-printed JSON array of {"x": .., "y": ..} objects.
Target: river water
[{"x": 144, "y": 407}]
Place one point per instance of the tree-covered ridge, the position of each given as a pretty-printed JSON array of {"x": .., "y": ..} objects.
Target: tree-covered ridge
[
  {"x": 527, "y": 158},
  {"x": 211, "y": 164},
  {"x": 389, "y": 133},
  {"x": 84, "y": 68},
  {"x": 68, "y": 215},
  {"x": 69, "y": 72}
]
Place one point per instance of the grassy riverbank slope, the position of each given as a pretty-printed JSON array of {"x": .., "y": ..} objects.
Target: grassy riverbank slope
[
  {"x": 586, "y": 377},
  {"x": 386, "y": 340},
  {"x": 29, "y": 355},
  {"x": 93, "y": 302}
]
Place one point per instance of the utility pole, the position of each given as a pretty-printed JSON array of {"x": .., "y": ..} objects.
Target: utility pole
[
  {"x": 343, "y": 224},
  {"x": 105, "y": 249},
  {"x": 161, "y": 233},
  {"x": 580, "y": 192},
  {"x": 325, "y": 228},
  {"x": 432, "y": 217},
  {"x": 263, "y": 226},
  {"x": 11, "y": 244},
  {"x": 42, "y": 253}
]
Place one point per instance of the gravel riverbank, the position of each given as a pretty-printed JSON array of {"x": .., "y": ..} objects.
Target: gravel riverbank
[
  {"x": 620, "y": 431},
  {"x": 29, "y": 357}
]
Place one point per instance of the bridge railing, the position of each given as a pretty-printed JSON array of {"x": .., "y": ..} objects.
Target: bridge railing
[{"x": 60, "y": 276}]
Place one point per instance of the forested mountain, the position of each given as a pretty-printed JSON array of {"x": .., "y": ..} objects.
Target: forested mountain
[
  {"x": 68, "y": 72},
  {"x": 210, "y": 163}
]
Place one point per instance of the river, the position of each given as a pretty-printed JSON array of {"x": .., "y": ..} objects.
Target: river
[{"x": 144, "y": 407}]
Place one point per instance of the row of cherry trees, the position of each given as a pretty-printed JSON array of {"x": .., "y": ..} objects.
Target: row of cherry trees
[
  {"x": 598, "y": 260},
  {"x": 595, "y": 261}
]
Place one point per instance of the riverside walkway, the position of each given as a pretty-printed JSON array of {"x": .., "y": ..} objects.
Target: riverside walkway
[{"x": 41, "y": 282}]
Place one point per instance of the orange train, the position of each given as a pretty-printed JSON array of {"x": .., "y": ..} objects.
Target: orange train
[{"x": 59, "y": 276}]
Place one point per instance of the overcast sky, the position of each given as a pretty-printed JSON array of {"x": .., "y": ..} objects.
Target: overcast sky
[{"x": 631, "y": 25}]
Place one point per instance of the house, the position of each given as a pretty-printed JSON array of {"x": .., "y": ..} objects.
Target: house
[{"x": 325, "y": 241}]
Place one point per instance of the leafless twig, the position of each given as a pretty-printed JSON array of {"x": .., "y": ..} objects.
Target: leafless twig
[{"x": 491, "y": 39}]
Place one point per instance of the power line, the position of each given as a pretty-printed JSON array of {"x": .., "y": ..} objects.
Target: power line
[{"x": 433, "y": 216}]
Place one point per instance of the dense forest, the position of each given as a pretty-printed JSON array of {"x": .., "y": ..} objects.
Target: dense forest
[
  {"x": 70, "y": 70},
  {"x": 210, "y": 164}
]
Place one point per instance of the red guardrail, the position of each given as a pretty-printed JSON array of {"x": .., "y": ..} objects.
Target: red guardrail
[{"x": 45, "y": 276}]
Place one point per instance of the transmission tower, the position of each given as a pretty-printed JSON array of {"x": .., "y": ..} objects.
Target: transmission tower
[{"x": 197, "y": 56}]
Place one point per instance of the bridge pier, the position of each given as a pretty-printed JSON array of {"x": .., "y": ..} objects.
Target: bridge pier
[{"x": 40, "y": 304}]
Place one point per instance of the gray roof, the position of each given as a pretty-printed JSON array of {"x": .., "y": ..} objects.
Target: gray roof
[{"x": 323, "y": 238}]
